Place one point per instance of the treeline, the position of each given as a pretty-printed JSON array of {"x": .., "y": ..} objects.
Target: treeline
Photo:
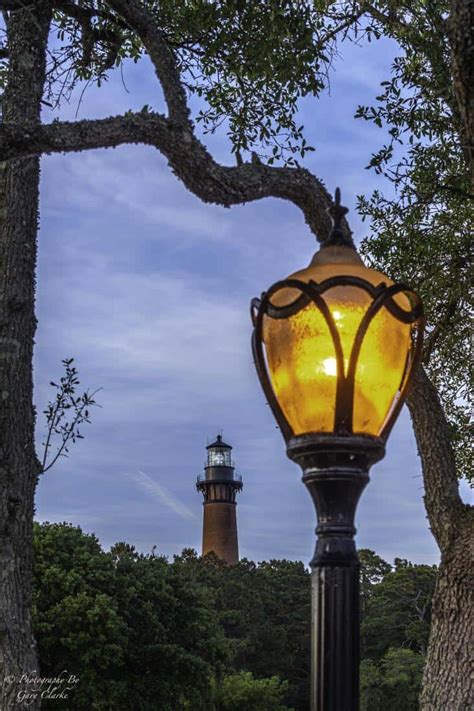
[{"x": 142, "y": 633}]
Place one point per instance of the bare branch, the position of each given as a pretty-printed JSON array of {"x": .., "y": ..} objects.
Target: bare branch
[
  {"x": 160, "y": 54},
  {"x": 68, "y": 433},
  {"x": 346, "y": 24},
  {"x": 58, "y": 412},
  {"x": 187, "y": 156},
  {"x": 390, "y": 19}
]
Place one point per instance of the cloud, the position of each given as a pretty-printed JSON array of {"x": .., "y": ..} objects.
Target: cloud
[
  {"x": 135, "y": 184},
  {"x": 160, "y": 345},
  {"x": 150, "y": 486}
]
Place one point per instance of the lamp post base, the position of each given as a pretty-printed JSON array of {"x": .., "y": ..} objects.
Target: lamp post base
[{"x": 335, "y": 471}]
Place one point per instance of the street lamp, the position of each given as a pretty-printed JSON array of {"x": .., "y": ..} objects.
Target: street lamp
[{"x": 335, "y": 346}]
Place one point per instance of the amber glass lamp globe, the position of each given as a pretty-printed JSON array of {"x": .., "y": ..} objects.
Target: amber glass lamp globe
[{"x": 335, "y": 344}]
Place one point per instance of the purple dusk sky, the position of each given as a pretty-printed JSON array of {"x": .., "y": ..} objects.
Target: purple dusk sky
[{"x": 149, "y": 290}]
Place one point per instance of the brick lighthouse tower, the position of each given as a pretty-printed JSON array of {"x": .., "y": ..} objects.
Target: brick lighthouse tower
[{"x": 219, "y": 485}]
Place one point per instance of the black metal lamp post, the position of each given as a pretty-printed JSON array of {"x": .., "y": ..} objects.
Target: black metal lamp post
[{"x": 335, "y": 346}]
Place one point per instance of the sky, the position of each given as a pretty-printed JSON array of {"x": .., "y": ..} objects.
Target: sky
[{"x": 148, "y": 289}]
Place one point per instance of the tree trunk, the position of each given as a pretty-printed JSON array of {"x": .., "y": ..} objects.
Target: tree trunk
[
  {"x": 447, "y": 681},
  {"x": 19, "y": 183},
  {"x": 447, "y": 678}
]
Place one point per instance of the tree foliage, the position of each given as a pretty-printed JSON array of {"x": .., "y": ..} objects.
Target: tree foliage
[
  {"x": 241, "y": 692},
  {"x": 398, "y": 611},
  {"x": 421, "y": 224},
  {"x": 265, "y": 613},
  {"x": 140, "y": 632},
  {"x": 372, "y": 571},
  {"x": 134, "y": 631},
  {"x": 78, "y": 624},
  {"x": 250, "y": 63},
  {"x": 393, "y": 683}
]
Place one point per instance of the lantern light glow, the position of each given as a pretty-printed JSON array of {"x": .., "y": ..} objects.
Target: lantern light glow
[{"x": 337, "y": 304}]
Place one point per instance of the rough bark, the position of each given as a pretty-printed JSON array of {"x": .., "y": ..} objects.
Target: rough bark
[
  {"x": 461, "y": 36},
  {"x": 161, "y": 56},
  {"x": 19, "y": 181},
  {"x": 188, "y": 158},
  {"x": 447, "y": 680}
]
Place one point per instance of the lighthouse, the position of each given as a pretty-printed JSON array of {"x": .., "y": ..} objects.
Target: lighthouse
[{"x": 219, "y": 485}]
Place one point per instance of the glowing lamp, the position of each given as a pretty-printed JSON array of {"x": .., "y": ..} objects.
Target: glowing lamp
[{"x": 335, "y": 346}]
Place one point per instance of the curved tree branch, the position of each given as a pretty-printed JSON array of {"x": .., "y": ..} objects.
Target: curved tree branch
[
  {"x": 174, "y": 137},
  {"x": 187, "y": 156}
]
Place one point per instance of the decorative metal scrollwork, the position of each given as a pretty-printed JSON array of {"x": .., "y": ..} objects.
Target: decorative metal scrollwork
[{"x": 312, "y": 292}]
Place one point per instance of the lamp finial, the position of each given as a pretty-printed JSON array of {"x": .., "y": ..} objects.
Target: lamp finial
[{"x": 340, "y": 235}]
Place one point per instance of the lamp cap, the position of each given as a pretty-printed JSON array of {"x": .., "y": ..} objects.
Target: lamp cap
[{"x": 340, "y": 235}]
